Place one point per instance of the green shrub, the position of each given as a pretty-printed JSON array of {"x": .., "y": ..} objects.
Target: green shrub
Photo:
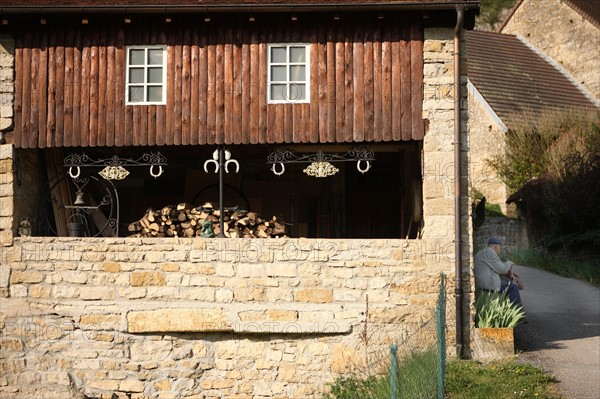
[
  {"x": 552, "y": 164},
  {"x": 491, "y": 11},
  {"x": 495, "y": 310}
]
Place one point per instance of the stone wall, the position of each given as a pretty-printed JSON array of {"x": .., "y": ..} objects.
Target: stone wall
[
  {"x": 6, "y": 194},
  {"x": 563, "y": 34},
  {"x": 7, "y": 62},
  {"x": 176, "y": 318},
  {"x": 486, "y": 140},
  {"x": 438, "y": 156},
  {"x": 512, "y": 232}
]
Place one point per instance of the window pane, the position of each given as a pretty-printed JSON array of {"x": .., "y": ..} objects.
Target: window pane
[
  {"x": 297, "y": 73},
  {"x": 297, "y": 54},
  {"x": 155, "y": 75},
  {"x": 278, "y": 92},
  {"x": 297, "y": 92},
  {"x": 278, "y": 74},
  {"x": 136, "y": 94},
  {"x": 155, "y": 57},
  {"x": 278, "y": 54},
  {"x": 136, "y": 75},
  {"x": 155, "y": 93},
  {"x": 136, "y": 57}
]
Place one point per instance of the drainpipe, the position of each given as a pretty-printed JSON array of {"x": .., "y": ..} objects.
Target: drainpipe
[{"x": 458, "y": 291}]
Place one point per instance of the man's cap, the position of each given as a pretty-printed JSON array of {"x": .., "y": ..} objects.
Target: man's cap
[{"x": 494, "y": 241}]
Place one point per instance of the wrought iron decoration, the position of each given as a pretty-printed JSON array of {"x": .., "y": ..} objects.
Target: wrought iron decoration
[
  {"x": 221, "y": 160},
  {"x": 114, "y": 167},
  {"x": 320, "y": 163}
]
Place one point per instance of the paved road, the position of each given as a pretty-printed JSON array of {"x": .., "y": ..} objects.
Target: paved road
[{"x": 563, "y": 333}]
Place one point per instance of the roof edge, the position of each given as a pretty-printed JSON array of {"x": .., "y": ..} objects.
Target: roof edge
[
  {"x": 562, "y": 70},
  {"x": 486, "y": 106},
  {"x": 300, "y": 7}
]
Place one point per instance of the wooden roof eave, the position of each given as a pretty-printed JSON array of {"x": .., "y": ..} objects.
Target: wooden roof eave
[{"x": 233, "y": 7}]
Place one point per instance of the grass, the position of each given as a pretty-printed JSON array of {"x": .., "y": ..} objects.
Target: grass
[
  {"x": 493, "y": 210},
  {"x": 582, "y": 269},
  {"x": 416, "y": 379},
  {"x": 506, "y": 380}
]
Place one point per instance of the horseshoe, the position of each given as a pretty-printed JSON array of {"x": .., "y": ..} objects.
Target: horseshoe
[
  {"x": 274, "y": 169},
  {"x": 155, "y": 175},
  {"x": 71, "y": 172},
  {"x": 237, "y": 165},
  {"x": 211, "y": 161},
  {"x": 365, "y": 170}
]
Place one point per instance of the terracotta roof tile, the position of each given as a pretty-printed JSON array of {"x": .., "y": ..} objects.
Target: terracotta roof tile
[{"x": 514, "y": 79}]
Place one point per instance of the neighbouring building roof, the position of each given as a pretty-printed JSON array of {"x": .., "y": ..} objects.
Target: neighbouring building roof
[{"x": 513, "y": 79}]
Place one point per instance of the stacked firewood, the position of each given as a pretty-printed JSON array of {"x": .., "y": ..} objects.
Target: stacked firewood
[{"x": 185, "y": 220}]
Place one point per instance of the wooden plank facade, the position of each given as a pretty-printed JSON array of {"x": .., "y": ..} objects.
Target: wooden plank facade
[{"x": 366, "y": 82}]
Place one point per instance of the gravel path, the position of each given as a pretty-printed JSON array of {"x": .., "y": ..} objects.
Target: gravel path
[{"x": 563, "y": 331}]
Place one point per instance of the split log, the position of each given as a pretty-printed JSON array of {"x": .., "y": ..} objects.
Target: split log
[{"x": 184, "y": 220}]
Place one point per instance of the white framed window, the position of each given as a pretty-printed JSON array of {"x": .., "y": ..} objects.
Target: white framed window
[
  {"x": 146, "y": 75},
  {"x": 288, "y": 73}
]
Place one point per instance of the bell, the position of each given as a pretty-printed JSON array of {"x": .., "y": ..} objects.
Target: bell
[{"x": 79, "y": 200}]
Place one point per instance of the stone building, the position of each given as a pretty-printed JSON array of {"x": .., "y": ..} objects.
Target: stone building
[
  {"x": 567, "y": 31},
  {"x": 106, "y": 85},
  {"x": 509, "y": 80}
]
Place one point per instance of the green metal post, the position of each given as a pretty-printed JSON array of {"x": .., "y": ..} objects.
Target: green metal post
[
  {"x": 441, "y": 337},
  {"x": 393, "y": 371}
]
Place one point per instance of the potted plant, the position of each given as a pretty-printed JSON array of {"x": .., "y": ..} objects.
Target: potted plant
[{"x": 495, "y": 319}]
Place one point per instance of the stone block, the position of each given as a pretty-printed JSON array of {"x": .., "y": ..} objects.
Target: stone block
[
  {"x": 131, "y": 385},
  {"x": 162, "y": 385},
  {"x": 178, "y": 320},
  {"x": 223, "y": 295},
  {"x": 224, "y": 270},
  {"x": 281, "y": 270},
  {"x": 6, "y": 206},
  {"x": 279, "y": 295},
  {"x": 132, "y": 293},
  {"x": 249, "y": 294},
  {"x": 103, "y": 384},
  {"x": 4, "y": 275},
  {"x": 282, "y": 315},
  {"x": 26, "y": 277},
  {"x": 144, "y": 279},
  {"x": 169, "y": 267},
  {"x": 40, "y": 291},
  {"x": 251, "y": 270},
  {"x": 99, "y": 320},
  {"x": 389, "y": 315},
  {"x": 314, "y": 295},
  {"x": 97, "y": 293},
  {"x": 110, "y": 266}
]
